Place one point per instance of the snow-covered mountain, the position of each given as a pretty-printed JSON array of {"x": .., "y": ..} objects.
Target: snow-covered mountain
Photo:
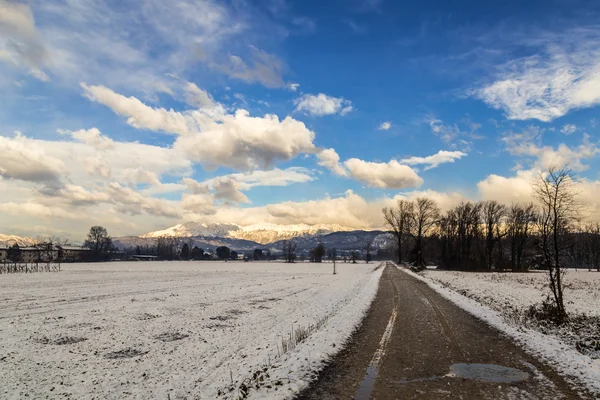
[
  {"x": 269, "y": 233},
  {"x": 259, "y": 233},
  {"x": 195, "y": 229},
  {"x": 9, "y": 240}
]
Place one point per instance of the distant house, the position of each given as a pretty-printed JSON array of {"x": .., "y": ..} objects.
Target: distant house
[
  {"x": 73, "y": 253},
  {"x": 43, "y": 252}
]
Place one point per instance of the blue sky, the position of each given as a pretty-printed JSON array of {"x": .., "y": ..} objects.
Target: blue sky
[{"x": 142, "y": 115}]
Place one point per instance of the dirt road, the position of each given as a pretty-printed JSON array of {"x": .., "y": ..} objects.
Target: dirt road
[{"x": 414, "y": 344}]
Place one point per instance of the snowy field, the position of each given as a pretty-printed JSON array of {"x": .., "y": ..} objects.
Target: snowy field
[
  {"x": 176, "y": 329},
  {"x": 518, "y": 291},
  {"x": 501, "y": 300}
]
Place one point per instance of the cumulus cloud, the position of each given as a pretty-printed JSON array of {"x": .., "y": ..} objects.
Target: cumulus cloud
[
  {"x": 28, "y": 162},
  {"x": 528, "y": 144},
  {"x": 568, "y": 129},
  {"x": 508, "y": 190},
  {"x": 92, "y": 137},
  {"x": 133, "y": 202},
  {"x": 322, "y": 104},
  {"x": 197, "y": 97},
  {"x": 243, "y": 142},
  {"x": 138, "y": 114},
  {"x": 213, "y": 137},
  {"x": 384, "y": 126},
  {"x": 226, "y": 189},
  {"x": 330, "y": 159},
  {"x": 433, "y": 161},
  {"x": 562, "y": 75},
  {"x": 390, "y": 175}
]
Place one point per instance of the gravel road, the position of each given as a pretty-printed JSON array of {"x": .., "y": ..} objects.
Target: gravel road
[{"x": 414, "y": 344}]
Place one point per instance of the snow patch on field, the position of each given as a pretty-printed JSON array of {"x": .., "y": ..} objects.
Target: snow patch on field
[
  {"x": 176, "y": 329},
  {"x": 518, "y": 292}
]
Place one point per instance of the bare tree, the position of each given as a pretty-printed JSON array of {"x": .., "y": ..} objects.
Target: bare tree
[
  {"x": 520, "y": 219},
  {"x": 368, "y": 248},
  {"x": 289, "y": 250},
  {"x": 425, "y": 216},
  {"x": 318, "y": 253},
  {"x": 560, "y": 207},
  {"x": 99, "y": 242},
  {"x": 334, "y": 258},
  {"x": 398, "y": 221},
  {"x": 493, "y": 214},
  {"x": 460, "y": 236}
]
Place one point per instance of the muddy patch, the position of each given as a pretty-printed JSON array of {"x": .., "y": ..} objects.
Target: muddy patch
[
  {"x": 60, "y": 341},
  {"x": 147, "y": 316},
  {"x": 171, "y": 336},
  {"x": 125, "y": 353}
]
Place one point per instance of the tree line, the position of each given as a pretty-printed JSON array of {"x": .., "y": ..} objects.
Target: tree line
[{"x": 487, "y": 235}]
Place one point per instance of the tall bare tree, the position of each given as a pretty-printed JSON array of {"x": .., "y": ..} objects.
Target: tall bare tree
[
  {"x": 99, "y": 242},
  {"x": 520, "y": 219},
  {"x": 560, "y": 208},
  {"x": 289, "y": 250},
  {"x": 492, "y": 214},
  {"x": 425, "y": 217},
  {"x": 368, "y": 248},
  {"x": 398, "y": 220}
]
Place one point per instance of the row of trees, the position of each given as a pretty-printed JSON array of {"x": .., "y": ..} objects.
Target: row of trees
[{"x": 488, "y": 235}]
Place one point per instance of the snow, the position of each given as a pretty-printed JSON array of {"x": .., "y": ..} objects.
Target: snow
[
  {"x": 261, "y": 233},
  {"x": 137, "y": 330},
  {"x": 521, "y": 290},
  {"x": 8, "y": 240},
  {"x": 494, "y": 298}
]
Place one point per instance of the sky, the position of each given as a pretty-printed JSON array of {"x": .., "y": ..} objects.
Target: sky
[{"x": 138, "y": 115}]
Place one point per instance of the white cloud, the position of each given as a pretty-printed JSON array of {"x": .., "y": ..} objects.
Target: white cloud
[
  {"x": 508, "y": 190},
  {"x": 213, "y": 137},
  {"x": 528, "y": 144},
  {"x": 384, "y": 126},
  {"x": 20, "y": 43},
  {"x": 568, "y": 129},
  {"x": 138, "y": 114},
  {"x": 227, "y": 189},
  {"x": 243, "y": 142},
  {"x": 293, "y": 86},
  {"x": 330, "y": 159},
  {"x": 261, "y": 67},
  {"x": 27, "y": 162},
  {"x": 433, "y": 161},
  {"x": 133, "y": 202},
  {"x": 272, "y": 177},
  {"x": 390, "y": 175},
  {"x": 322, "y": 104},
  {"x": 197, "y": 97},
  {"x": 92, "y": 137},
  {"x": 563, "y": 75}
]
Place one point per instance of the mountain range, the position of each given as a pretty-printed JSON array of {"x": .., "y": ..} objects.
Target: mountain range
[
  {"x": 9, "y": 240},
  {"x": 250, "y": 237},
  {"x": 264, "y": 236},
  {"x": 259, "y": 233}
]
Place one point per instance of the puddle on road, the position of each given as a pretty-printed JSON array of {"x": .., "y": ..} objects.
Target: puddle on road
[
  {"x": 487, "y": 373},
  {"x": 366, "y": 385},
  {"x": 476, "y": 372}
]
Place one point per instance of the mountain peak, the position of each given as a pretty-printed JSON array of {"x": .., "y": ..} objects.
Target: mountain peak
[{"x": 262, "y": 233}]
